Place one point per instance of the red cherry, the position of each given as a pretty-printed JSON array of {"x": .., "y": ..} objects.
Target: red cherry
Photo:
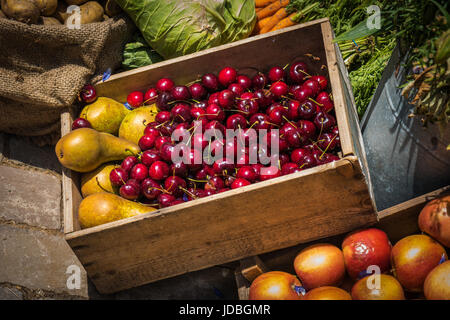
[
  {"x": 172, "y": 185},
  {"x": 247, "y": 173},
  {"x": 139, "y": 172},
  {"x": 165, "y": 84},
  {"x": 149, "y": 156},
  {"x": 276, "y": 74},
  {"x": 236, "y": 121},
  {"x": 210, "y": 82},
  {"x": 81, "y": 123},
  {"x": 279, "y": 88},
  {"x": 244, "y": 81},
  {"x": 165, "y": 200},
  {"x": 226, "y": 98},
  {"x": 302, "y": 94},
  {"x": 239, "y": 182},
  {"x": 198, "y": 92},
  {"x": 323, "y": 82},
  {"x": 215, "y": 112},
  {"x": 293, "y": 112},
  {"x": 298, "y": 72},
  {"x": 147, "y": 142},
  {"x": 236, "y": 89},
  {"x": 129, "y": 191},
  {"x": 227, "y": 76},
  {"x": 163, "y": 116},
  {"x": 128, "y": 163},
  {"x": 88, "y": 93},
  {"x": 150, "y": 188},
  {"x": 327, "y": 141},
  {"x": 160, "y": 140},
  {"x": 159, "y": 170},
  {"x": 135, "y": 99},
  {"x": 180, "y": 93},
  {"x": 269, "y": 173},
  {"x": 118, "y": 177},
  {"x": 313, "y": 85},
  {"x": 150, "y": 96},
  {"x": 289, "y": 168},
  {"x": 259, "y": 81},
  {"x": 325, "y": 100}
]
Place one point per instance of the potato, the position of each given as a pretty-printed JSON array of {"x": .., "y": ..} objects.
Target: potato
[
  {"x": 75, "y": 2},
  {"x": 112, "y": 8},
  {"x": 21, "y": 10},
  {"x": 49, "y": 21},
  {"x": 61, "y": 12},
  {"x": 47, "y": 7},
  {"x": 90, "y": 12}
]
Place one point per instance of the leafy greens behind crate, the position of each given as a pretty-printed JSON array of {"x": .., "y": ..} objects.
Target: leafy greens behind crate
[
  {"x": 175, "y": 28},
  {"x": 137, "y": 54}
]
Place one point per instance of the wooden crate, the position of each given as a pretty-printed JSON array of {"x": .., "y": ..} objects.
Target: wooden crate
[
  {"x": 279, "y": 213},
  {"x": 398, "y": 222}
]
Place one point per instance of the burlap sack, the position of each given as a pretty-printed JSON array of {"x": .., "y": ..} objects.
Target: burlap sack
[{"x": 43, "y": 68}]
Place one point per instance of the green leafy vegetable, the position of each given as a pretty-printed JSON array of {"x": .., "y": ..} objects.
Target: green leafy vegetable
[
  {"x": 174, "y": 28},
  {"x": 138, "y": 54}
]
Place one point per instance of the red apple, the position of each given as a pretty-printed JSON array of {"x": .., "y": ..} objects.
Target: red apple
[
  {"x": 413, "y": 257},
  {"x": 364, "y": 248},
  {"x": 437, "y": 283},
  {"x": 327, "y": 293},
  {"x": 275, "y": 285},
  {"x": 434, "y": 219},
  {"x": 387, "y": 288},
  {"x": 320, "y": 265}
]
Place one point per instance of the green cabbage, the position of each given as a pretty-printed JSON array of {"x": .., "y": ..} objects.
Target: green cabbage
[{"x": 178, "y": 27}]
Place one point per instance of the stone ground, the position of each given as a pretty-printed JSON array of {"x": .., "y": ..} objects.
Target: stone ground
[{"x": 34, "y": 256}]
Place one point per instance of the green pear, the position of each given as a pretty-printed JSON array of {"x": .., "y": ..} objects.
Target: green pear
[
  {"x": 133, "y": 125},
  {"x": 105, "y": 115},
  {"x": 85, "y": 149},
  {"x": 103, "y": 207}
]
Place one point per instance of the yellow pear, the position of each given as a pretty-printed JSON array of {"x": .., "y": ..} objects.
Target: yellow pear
[
  {"x": 133, "y": 125},
  {"x": 105, "y": 115},
  {"x": 98, "y": 180},
  {"x": 85, "y": 149},
  {"x": 103, "y": 207}
]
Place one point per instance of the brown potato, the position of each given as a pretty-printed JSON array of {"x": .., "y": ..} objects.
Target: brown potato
[
  {"x": 48, "y": 21},
  {"x": 21, "y": 10},
  {"x": 61, "y": 12},
  {"x": 47, "y": 7},
  {"x": 112, "y": 8},
  {"x": 90, "y": 12}
]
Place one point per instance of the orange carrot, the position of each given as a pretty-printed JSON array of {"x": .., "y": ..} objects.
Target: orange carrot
[
  {"x": 286, "y": 22},
  {"x": 273, "y": 20},
  {"x": 262, "y": 3},
  {"x": 262, "y": 23},
  {"x": 271, "y": 8}
]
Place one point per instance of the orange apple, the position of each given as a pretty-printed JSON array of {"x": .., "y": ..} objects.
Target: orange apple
[
  {"x": 275, "y": 285},
  {"x": 388, "y": 288},
  {"x": 327, "y": 293},
  {"x": 437, "y": 283},
  {"x": 363, "y": 248},
  {"x": 413, "y": 257},
  {"x": 320, "y": 265}
]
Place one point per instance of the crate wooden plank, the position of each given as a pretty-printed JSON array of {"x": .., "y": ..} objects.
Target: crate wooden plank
[
  {"x": 252, "y": 267},
  {"x": 234, "y": 225},
  {"x": 70, "y": 184}
]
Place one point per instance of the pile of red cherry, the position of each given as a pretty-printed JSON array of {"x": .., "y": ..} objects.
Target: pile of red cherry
[{"x": 292, "y": 101}]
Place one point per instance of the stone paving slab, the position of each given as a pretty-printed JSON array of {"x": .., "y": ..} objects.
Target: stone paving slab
[
  {"x": 31, "y": 197},
  {"x": 29, "y": 153},
  {"x": 38, "y": 259}
]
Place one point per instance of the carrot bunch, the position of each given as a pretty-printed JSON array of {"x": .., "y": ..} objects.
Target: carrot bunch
[{"x": 272, "y": 15}]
